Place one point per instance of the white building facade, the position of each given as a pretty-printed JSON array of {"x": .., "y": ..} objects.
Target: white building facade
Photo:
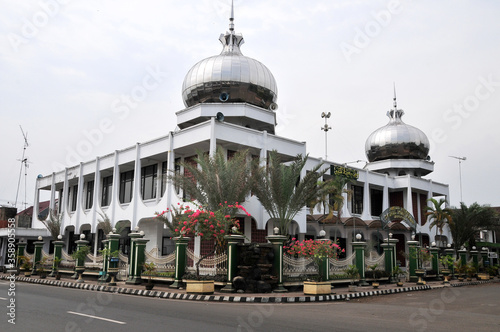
[{"x": 230, "y": 103}]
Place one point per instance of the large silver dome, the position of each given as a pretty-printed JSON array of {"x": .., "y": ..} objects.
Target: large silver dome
[
  {"x": 230, "y": 77},
  {"x": 397, "y": 140}
]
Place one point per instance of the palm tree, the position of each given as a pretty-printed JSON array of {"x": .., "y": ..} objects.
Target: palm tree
[
  {"x": 53, "y": 223},
  {"x": 468, "y": 220},
  {"x": 281, "y": 190},
  {"x": 215, "y": 180},
  {"x": 439, "y": 215},
  {"x": 330, "y": 197}
]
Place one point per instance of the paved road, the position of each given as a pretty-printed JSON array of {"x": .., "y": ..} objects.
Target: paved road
[{"x": 47, "y": 308}]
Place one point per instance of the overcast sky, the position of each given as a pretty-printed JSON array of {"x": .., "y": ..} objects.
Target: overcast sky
[{"x": 65, "y": 67}]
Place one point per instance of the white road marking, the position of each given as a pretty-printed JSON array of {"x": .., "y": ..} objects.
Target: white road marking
[
  {"x": 95, "y": 317},
  {"x": 3, "y": 298}
]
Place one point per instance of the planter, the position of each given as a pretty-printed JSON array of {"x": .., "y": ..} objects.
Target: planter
[
  {"x": 420, "y": 274},
  {"x": 200, "y": 286},
  {"x": 375, "y": 284},
  {"x": 400, "y": 284},
  {"x": 27, "y": 274},
  {"x": 317, "y": 287},
  {"x": 79, "y": 270},
  {"x": 353, "y": 288},
  {"x": 149, "y": 286},
  {"x": 446, "y": 274}
]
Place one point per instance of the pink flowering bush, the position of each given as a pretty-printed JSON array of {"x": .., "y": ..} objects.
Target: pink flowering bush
[
  {"x": 316, "y": 249},
  {"x": 193, "y": 220}
]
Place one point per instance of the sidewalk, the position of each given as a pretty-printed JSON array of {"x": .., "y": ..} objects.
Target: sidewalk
[{"x": 163, "y": 291}]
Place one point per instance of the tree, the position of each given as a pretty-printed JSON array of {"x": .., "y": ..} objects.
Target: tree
[
  {"x": 281, "y": 190},
  {"x": 469, "y": 220},
  {"x": 53, "y": 223},
  {"x": 329, "y": 196},
  {"x": 439, "y": 215},
  {"x": 215, "y": 180}
]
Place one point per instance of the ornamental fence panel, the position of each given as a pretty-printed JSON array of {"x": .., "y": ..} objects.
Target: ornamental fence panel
[
  {"x": 211, "y": 265},
  {"x": 67, "y": 261},
  {"x": 298, "y": 266},
  {"x": 163, "y": 263},
  {"x": 339, "y": 266},
  {"x": 375, "y": 259}
]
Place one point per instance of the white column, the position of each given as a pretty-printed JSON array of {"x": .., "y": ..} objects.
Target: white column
[
  {"x": 79, "y": 205},
  {"x": 52, "y": 203},
  {"x": 409, "y": 198},
  {"x": 136, "y": 187},
  {"x": 367, "y": 211},
  {"x": 170, "y": 168},
  {"x": 213, "y": 140},
  {"x": 64, "y": 199},
  {"x": 115, "y": 189},
  {"x": 385, "y": 196}
]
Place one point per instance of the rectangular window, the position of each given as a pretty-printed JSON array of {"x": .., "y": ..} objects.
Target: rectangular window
[
  {"x": 357, "y": 199},
  {"x": 376, "y": 201},
  {"x": 148, "y": 181},
  {"x": 74, "y": 197},
  {"x": 126, "y": 186},
  {"x": 89, "y": 195},
  {"x": 107, "y": 186},
  {"x": 164, "y": 175}
]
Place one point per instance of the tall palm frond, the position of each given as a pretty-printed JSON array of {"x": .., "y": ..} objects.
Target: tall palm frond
[{"x": 281, "y": 190}]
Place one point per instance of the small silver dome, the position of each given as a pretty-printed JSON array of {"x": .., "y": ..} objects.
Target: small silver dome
[
  {"x": 397, "y": 140},
  {"x": 230, "y": 77}
]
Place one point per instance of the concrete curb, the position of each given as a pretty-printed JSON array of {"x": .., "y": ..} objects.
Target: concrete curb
[{"x": 224, "y": 298}]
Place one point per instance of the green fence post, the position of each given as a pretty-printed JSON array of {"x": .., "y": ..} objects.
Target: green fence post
[
  {"x": 136, "y": 259},
  {"x": 37, "y": 257},
  {"x": 57, "y": 254},
  {"x": 278, "y": 241},
  {"x": 232, "y": 260},
  {"x": 181, "y": 243},
  {"x": 435, "y": 259},
  {"x": 389, "y": 246},
  {"x": 413, "y": 259},
  {"x": 359, "y": 249}
]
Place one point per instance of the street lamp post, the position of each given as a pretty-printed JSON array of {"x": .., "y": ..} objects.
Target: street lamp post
[
  {"x": 326, "y": 116},
  {"x": 460, "y": 159}
]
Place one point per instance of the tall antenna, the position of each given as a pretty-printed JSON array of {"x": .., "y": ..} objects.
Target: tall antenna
[{"x": 24, "y": 162}]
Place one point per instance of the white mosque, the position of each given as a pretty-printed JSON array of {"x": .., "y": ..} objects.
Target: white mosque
[{"x": 230, "y": 103}]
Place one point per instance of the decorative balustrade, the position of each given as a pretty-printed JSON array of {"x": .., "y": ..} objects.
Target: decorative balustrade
[
  {"x": 212, "y": 265},
  {"x": 375, "y": 259},
  {"x": 163, "y": 263},
  {"x": 339, "y": 266},
  {"x": 295, "y": 267}
]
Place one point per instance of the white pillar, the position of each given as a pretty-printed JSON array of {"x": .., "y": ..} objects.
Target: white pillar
[
  {"x": 136, "y": 187},
  {"x": 115, "y": 189},
  {"x": 385, "y": 196},
  {"x": 367, "y": 211},
  {"x": 213, "y": 140},
  {"x": 409, "y": 198}
]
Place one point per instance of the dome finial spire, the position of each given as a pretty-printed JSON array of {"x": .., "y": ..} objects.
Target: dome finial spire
[
  {"x": 395, "y": 102},
  {"x": 231, "y": 19}
]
